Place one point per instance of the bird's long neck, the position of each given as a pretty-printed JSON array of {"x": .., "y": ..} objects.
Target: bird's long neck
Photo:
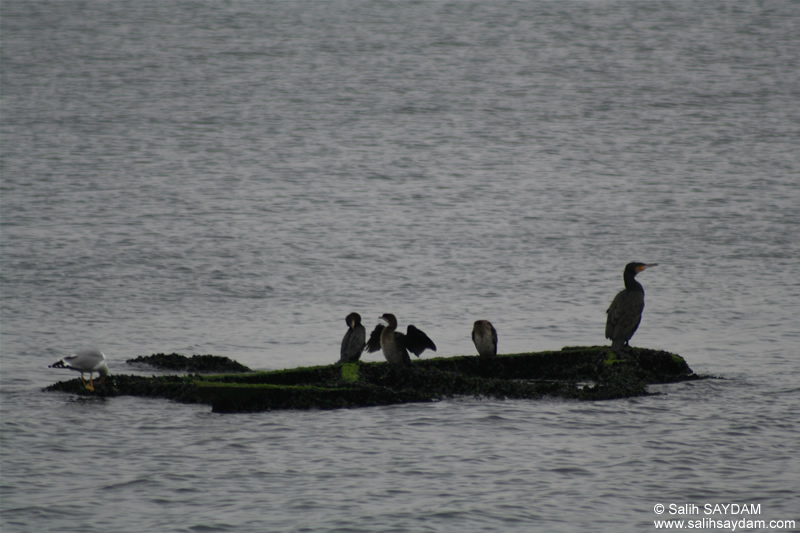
[
  {"x": 387, "y": 335},
  {"x": 391, "y": 322},
  {"x": 631, "y": 284}
]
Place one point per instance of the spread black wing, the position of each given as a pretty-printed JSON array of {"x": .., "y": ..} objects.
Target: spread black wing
[
  {"x": 374, "y": 342},
  {"x": 417, "y": 342}
]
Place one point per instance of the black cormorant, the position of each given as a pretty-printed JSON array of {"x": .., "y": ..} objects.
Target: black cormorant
[
  {"x": 395, "y": 345},
  {"x": 354, "y": 340},
  {"x": 625, "y": 311},
  {"x": 85, "y": 361},
  {"x": 485, "y": 338}
]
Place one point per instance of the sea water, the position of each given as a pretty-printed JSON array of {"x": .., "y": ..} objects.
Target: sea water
[{"x": 236, "y": 177}]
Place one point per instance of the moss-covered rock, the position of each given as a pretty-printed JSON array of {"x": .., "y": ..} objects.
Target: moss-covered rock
[
  {"x": 178, "y": 388},
  {"x": 581, "y": 373},
  {"x": 195, "y": 363}
]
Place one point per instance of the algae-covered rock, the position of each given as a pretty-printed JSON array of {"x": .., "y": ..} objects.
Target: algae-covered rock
[
  {"x": 580, "y": 373},
  {"x": 195, "y": 363},
  {"x": 178, "y": 388}
]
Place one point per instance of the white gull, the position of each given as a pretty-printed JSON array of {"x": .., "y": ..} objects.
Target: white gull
[{"x": 85, "y": 361}]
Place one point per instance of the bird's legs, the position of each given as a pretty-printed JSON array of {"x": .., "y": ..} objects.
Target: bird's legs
[{"x": 90, "y": 385}]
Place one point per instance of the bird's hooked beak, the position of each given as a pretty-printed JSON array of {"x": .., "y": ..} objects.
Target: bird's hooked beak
[{"x": 642, "y": 267}]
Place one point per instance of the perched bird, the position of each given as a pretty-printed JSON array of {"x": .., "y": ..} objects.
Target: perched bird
[
  {"x": 395, "y": 345},
  {"x": 354, "y": 340},
  {"x": 485, "y": 338},
  {"x": 85, "y": 361},
  {"x": 625, "y": 311}
]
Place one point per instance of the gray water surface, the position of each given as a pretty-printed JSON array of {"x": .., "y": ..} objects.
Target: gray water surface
[{"x": 235, "y": 178}]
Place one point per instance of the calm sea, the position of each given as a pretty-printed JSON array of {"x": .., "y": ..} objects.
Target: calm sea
[{"x": 236, "y": 177}]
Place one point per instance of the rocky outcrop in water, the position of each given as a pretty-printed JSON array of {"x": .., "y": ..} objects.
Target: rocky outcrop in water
[
  {"x": 580, "y": 373},
  {"x": 195, "y": 363}
]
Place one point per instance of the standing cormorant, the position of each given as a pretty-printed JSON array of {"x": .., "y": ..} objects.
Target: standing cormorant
[
  {"x": 354, "y": 340},
  {"x": 85, "y": 361},
  {"x": 395, "y": 345},
  {"x": 485, "y": 338},
  {"x": 625, "y": 311}
]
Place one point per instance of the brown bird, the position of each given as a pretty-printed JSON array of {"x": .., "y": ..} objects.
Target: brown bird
[
  {"x": 625, "y": 312},
  {"x": 395, "y": 345},
  {"x": 354, "y": 340},
  {"x": 485, "y": 338}
]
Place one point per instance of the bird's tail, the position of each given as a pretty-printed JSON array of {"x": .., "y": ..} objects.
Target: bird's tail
[{"x": 58, "y": 364}]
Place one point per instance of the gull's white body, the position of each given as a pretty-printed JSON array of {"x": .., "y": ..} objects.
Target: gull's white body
[{"x": 90, "y": 361}]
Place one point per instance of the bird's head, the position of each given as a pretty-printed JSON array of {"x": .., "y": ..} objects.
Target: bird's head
[
  {"x": 635, "y": 268},
  {"x": 353, "y": 320},
  {"x": 390, "y": 319}
]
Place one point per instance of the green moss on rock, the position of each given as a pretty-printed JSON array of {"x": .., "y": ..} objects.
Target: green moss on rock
[
  {"x": 195, "y": 363},
  {"x": 350, "y": 372},
  {"x": 581, "y": 373}
]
